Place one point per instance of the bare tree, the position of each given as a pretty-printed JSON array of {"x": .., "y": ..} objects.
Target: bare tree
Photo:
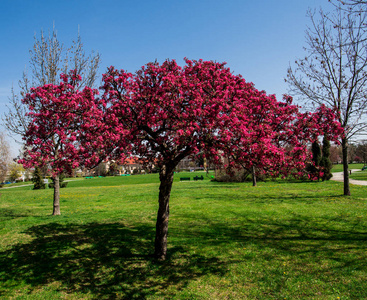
[
  {"x": 4, "y": 157},
  {"x": 361, "y": 151},
  {"x": 352, "y": 6},
  {"x": 350, "y": 3},
  {"x": 334, "y": 72},
  {"x": 48, "y": 59}
]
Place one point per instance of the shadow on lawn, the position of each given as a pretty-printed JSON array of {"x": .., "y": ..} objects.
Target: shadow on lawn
[
  {"x": 340, "y": 239},
  {"x": 106, "y": 260},
  {"x": 8, "y": 214}
]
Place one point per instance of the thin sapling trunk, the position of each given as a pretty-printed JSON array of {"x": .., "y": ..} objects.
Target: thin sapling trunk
[
  {"x": 254, "y": 176},
  {"x": 56, "y": 210}
]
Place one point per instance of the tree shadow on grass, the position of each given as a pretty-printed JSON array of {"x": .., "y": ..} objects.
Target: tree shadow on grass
[
  {"x": 106, "y": 260},
  {"x": 296, "y": 236},
  {"x": 323, "y": 250},
  {"x": 8, "y": 214}
]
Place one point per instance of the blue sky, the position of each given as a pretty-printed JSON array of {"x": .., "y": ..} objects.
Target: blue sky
[{"x": 258, "y": 38}]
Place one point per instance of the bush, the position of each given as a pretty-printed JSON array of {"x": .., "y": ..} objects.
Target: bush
[
  {"x": 62, "y": 185},
  {"x": 38, "y": 179},
  {"x": 156, "y": 170},
  {"x": 240, "y": 175},
  {"x": 222, "y": 175}
]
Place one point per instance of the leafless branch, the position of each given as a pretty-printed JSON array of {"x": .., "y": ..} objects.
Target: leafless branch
[{"x": 48, "y": 59}]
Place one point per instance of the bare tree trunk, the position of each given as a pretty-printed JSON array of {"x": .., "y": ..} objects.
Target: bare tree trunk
[
  {"x": 56, "y": 211},
  {"x": 254, "y": 176},
  {"x": 166, "y": 178},
  {"x": 345, "y": 166}
]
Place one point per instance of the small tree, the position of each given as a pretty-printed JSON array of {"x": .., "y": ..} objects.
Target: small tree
[
  {"x": 325, "y": 162},
  {"x": 60, "y": 135},
  {"x": 314, "y": 167},
  {"x": 37, "y": 179},
  {"x": 4, "y": 157},
  {"x": 15, "y": 171},
  {"x": 48, "y": 59},
  {"x": 276, "y": 138}
]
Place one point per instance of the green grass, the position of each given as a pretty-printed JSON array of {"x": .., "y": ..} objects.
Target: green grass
[
  {"x": 362, "y": 175},
  {"x": 356, "y": 175},
  {"x": 339, "y": 167},
  {"x": 279, "y": 240}
]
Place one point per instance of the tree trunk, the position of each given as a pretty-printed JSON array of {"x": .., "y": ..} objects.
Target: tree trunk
[
  {"x": 345, "y": 166},
  {"x": 56, "y": 211},
  {"x": 166, "y": 178},
  {"x": 254, "y": 176}
]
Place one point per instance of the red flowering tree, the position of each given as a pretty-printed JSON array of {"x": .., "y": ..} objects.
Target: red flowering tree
[
  {"x": 62, "y": 119},
  {"x": 272, "y": 137},
  {"x": 165, "y": 113},
  {"x": 263, "y": 137},
  {"x": 309, "y": 127}
]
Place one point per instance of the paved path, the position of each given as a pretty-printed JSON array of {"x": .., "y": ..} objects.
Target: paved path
[
  {"x": 15, "y": 186},
  {"x": 338, "y": 176}
]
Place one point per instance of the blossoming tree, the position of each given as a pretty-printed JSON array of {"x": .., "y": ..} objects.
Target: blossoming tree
[
  {"x": 64, "y": 119},
  {"x": 275, "y": 137},
  {"x": 164, "y": 113}
]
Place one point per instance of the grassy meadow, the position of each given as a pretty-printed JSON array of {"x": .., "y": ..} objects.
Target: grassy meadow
[{"x": 279, "y": 240}]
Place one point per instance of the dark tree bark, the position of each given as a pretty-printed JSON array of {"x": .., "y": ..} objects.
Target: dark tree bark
[
  {"x": 166, "y": 178},
  {"x": 56, "y": 210},
  {"x": 345, "y": 167}
]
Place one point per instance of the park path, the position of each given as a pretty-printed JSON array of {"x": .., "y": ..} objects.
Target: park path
[
  {"x": 12, "y": 187},
  {"x": 338, "y": 176}
]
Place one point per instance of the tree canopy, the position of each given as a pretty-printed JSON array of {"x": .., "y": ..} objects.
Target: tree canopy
[{"x": 163, "y": 113}]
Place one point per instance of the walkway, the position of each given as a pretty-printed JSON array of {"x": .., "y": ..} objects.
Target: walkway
[{"x": 15, "y": 186}]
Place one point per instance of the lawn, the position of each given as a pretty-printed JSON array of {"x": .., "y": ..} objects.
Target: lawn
[
  {"x": 339, "y": 167},
  {"x": 362, "y": 175},
  {"x": 280, "y": 240},
  {"x": 356, "y": 175}
]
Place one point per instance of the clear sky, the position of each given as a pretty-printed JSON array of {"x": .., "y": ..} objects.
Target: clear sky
[{"x": 257, "y": 38}]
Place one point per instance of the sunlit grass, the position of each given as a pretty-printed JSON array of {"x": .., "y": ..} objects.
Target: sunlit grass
[
  {"x": 362, "y": 175},
  {"x": 339, "y": 167},
  {"x": 226, "y": 241}
]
